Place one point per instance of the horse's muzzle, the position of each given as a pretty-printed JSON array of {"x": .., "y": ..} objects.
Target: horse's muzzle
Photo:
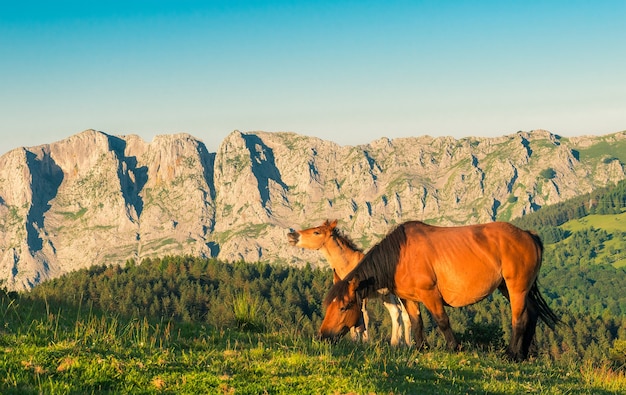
[
  {"x": 293, "y": 238},
  {"x": 333, "y": 336}
]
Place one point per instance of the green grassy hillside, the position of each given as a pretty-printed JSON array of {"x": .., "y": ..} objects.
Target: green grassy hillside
[
  {"x": 588, "y": 229},
  {"x": 610, "y": 223},
  {"x": 46, "y": 348},
  {"x": 613, "y": 250}
]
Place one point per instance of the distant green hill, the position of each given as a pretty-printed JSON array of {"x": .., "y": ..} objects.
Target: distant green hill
[
  {"x": 613, "y": 227},
  {"x": 610, "y": 223},
  {"x": 610, "y": 200},
  {"x": 590, "y": 228}
]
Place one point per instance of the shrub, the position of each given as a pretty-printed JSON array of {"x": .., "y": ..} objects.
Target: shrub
[
  {"x": 548, "y": 173},
  {"x": 617, "y": 354}
]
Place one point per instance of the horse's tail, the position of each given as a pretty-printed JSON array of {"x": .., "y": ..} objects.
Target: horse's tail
[
  {"x": 543, "y": 310},
  {"x": 538, "y": 243}
]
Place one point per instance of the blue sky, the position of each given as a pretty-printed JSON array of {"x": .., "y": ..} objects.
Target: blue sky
[{"x": 346, "y": 71}]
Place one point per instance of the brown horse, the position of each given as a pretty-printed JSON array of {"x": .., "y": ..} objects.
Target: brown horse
[
  {"x": 343, "y": 256},
  {"x": 440, "y": 266}
]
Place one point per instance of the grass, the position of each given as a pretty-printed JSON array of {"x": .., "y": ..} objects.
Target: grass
[
  {"x": 159, "y": 243},
  {"x": 73, "y": 215},
  {"x": 613, "y": 149},
  {"x": 45, "y": 349},
  {"x": 611, "y": 223}
]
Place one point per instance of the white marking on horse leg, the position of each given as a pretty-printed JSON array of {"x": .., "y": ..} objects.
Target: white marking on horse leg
[
  {"x": 406, "y": 320},
  {"x": 354, "y": 335},
  {"x": 366, "y": 320},
  {"x": 396, "y": 323}
]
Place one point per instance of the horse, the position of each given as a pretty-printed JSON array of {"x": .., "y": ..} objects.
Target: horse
[
  {"x": 343, "y": 255},
  {"x": 447, "y": 266}
]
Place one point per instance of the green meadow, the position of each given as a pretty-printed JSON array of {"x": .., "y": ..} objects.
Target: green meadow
[
  {"x": 610, "y": 223},
  {"x": 45, "y": 349}
]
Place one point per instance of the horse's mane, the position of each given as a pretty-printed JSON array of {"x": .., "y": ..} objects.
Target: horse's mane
[
  {"x": 338, "y": 290},
  {"x": 376, "y": 270},
  {"x": 337, "y": 234}
]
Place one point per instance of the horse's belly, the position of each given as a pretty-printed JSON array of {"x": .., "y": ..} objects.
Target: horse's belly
[
  {"x": 459, "y": 295},
  {"x": 462, "y": 283},
  {"x": 457, "y": 300}
]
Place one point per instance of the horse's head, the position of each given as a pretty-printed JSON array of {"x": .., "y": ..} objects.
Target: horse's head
[
  {"x": 343, "y": 310},
  {"x": 312, "y": 238}
]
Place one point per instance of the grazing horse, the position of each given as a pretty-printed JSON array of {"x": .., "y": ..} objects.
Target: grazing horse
[
  {"x": 343, "y": 256},
  {"x": 453, "y": 266}
]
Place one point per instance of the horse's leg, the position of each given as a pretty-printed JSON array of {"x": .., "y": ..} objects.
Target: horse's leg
[
  {"x": 354, "y": 334},
  {"x": 359, "y": 332},
  {"x": 366, "y": 320},
  {"x": 413, "y": 311},
  {"x": 520, "y": 320},
  {"x": 392, "y": 305},
  {"x": 406, "y": 321},
  {"x": 433, "y": 301},
  {"x": 523, "y": 323},
  {"x": 531, "y": 326}
]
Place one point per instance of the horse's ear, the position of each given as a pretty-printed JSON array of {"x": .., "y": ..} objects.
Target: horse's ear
[
  {"x": 353, "y": 285},
  {"x": 332, "y": 224},
  {"x": 336, "y": 277}
]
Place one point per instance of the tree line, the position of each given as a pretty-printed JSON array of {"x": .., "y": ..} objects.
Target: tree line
[{"x": 198, "y": 290}]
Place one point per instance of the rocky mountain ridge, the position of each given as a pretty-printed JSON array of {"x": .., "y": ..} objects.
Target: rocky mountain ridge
[{"x": 95, "y": 198}]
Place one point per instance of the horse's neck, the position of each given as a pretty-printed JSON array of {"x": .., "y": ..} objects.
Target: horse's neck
[{"x": 341, "y": 257}]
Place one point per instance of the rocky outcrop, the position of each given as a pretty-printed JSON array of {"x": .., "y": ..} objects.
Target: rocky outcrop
[{"x": 95, "y": 198}]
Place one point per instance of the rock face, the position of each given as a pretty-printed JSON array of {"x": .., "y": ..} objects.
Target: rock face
[{"x": 95, "y": 198}]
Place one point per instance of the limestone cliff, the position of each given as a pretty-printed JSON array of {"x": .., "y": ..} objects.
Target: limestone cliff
[{"x": 94, "y": 198}]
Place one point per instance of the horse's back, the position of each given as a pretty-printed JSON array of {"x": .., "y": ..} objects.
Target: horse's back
[{"x": 492, "y": 236}]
